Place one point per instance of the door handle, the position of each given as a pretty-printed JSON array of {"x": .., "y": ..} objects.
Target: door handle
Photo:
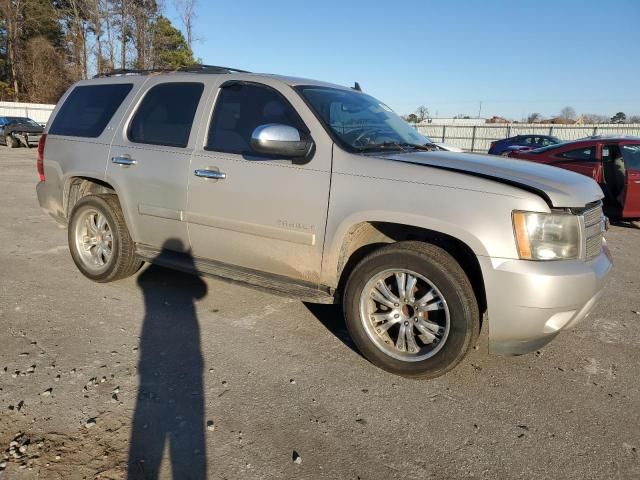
[
  {"x": 124, "y": 160},
  {"x": 214, "y": 174}
]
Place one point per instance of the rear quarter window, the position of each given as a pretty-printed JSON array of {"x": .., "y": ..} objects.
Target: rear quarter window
[{"x": 88, "y": 109}]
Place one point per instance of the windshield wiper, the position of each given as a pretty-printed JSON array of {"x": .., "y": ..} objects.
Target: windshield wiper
[
  {"x": 427, "y": 147},
  {"x": 381, "y": 146},
  {"x": 398, "y": 145}
]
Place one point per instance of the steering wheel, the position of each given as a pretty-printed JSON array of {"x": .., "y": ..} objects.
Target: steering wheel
[{"x": 367, "y": 136}]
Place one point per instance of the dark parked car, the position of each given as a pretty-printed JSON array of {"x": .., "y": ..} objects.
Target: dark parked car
[
  {"x": 19, "y": 131},
  {"x": 613, "y": 162},
  {"x": 521, "y": 142}
]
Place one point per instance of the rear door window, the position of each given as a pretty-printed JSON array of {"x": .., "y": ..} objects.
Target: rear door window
[
  {"x": 88, "y": 109},
  {"x": 165, "y": 115},
  {"x": 585, "y": 154}
]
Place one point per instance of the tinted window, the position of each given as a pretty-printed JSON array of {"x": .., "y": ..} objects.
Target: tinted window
[
  {"x": 165, "y": 116},
  {"x": 88, "y": 109},
  {"x": 240, "y": 109},
  {"x": 588, "y": 153},
  {"x": 545, "y": 141}
]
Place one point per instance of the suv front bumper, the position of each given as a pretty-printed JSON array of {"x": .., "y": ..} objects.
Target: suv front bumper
[{"x": 530, "y": 302}]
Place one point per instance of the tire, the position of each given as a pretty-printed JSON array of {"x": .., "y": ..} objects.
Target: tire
[
  {"x": 12, "y": 142},
  {"x": 117, "y": 259},
  {"x": 452, "y": 307}
]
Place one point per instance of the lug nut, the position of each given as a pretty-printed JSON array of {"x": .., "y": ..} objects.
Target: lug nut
[{"x": 396, "y": 316}]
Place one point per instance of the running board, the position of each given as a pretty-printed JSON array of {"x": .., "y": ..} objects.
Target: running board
[{"x": 270, "y": 283}]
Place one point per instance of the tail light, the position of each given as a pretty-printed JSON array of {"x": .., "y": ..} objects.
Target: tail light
[
  {"x": 40, "y": 163},
  {"x": 493, "y": 144}
]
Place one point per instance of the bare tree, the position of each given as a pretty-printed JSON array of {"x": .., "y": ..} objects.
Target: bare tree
[
  {"x": 594, "y": 118},
  {"x": 46, "y": 77},
  {"x": 123, "y": 12},
  {"x": 534, "y": 117},
  {"x": 76, "y": 14},
  {"x": 12, "y": 11},
  {"x": 422, "y": 112},
  {"x": 634, "y": 119},
  {"x": 568, "y": 113},
  {"x": 186, "y": 11}
]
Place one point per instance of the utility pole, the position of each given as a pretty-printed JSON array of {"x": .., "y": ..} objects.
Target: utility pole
[{"x": 480, "y": 109}]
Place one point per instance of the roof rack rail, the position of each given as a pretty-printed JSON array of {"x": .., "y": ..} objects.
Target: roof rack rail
[{"x": 195, "y": 68}]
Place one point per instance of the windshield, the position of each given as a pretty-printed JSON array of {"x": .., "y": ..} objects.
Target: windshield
[
  {"x": 22, "y": 121},
  {"x": 360, "y": 122}
]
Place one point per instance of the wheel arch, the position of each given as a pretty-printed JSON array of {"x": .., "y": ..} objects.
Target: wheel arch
[
  {"x": 76, "y": 187},
  {"x": 367, "y": 236}
]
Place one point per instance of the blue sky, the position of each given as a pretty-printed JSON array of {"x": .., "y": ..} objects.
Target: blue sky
[{"x": 517, "y": 57}]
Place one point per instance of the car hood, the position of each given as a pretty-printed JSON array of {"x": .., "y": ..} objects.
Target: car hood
[{"x": 559, "y": 187}]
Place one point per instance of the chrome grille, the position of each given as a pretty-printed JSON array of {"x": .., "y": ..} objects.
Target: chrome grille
[{"x": 593, "y": 232}]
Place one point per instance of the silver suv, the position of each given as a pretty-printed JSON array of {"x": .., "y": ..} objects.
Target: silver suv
[{"x": 323, "y": 193}]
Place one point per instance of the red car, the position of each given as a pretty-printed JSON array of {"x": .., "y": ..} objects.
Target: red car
[{"x": 613, "y": 162}]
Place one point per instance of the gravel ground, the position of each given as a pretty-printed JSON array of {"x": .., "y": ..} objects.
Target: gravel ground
[{"x": 171, "y": 372}]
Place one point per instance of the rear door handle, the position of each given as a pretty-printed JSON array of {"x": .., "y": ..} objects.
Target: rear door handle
[
  {"x": 215, "y": 174},
  {"x": 123, "y": 160}
]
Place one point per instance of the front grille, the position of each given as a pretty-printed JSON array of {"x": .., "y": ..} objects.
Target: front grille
[{"x": 593, "y": 231}]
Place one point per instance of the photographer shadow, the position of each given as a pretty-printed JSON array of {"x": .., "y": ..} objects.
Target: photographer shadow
[{"x": 170, "y": 403}]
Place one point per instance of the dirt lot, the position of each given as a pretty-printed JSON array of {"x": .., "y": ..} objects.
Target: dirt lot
[{"x": 231, "y": 380}]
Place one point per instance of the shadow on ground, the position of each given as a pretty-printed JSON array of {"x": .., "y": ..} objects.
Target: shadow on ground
[
  {"x": 332, "y": 318},
  {"x": 169, "y": 409}
]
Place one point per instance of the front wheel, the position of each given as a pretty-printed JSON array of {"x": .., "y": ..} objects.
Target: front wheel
[
  {"x": 99, "y": 240},
  {"x": 411, "y": 310}
]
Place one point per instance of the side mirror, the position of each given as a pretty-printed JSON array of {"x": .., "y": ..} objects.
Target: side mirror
[{"x": 280, "y": 140}]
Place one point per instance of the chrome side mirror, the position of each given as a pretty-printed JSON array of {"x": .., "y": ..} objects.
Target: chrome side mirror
[{"x": 281, "y": 140}]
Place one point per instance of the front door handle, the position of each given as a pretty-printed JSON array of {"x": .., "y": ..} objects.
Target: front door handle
[
  {"x": 124, "y": 160},
  {"x": 214, "y": 174}
]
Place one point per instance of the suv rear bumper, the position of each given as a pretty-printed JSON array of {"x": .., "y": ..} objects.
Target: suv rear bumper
[
  {"x": 529, "y": 303},
  {"x": 48, "y": 195}
]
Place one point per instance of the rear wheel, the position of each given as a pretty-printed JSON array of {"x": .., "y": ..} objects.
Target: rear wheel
[
  {"x": 411, "y": 310},
  {"x": 99, "y": 240}
]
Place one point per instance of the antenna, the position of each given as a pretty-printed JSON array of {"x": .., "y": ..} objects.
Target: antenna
[{"x": 356, "y": 87}]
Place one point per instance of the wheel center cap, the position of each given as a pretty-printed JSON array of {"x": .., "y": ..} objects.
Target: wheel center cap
[{"x": 407, "y": 310}]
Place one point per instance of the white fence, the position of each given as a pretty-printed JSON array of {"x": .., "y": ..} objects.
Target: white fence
[
  {"x": 39, "y": 112},
  {"x": 478, "y": 138}
]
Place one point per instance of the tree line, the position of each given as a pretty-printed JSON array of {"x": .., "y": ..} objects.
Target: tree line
[
  {"x": 566, "y": 115},
  {"x": 46, "y": 45}
]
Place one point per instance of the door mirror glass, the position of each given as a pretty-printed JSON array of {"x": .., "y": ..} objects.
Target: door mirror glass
[{"x": 280, "y": 140}]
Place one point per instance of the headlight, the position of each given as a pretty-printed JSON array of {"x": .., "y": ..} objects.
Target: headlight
[{"x": 547, "y": 236}]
